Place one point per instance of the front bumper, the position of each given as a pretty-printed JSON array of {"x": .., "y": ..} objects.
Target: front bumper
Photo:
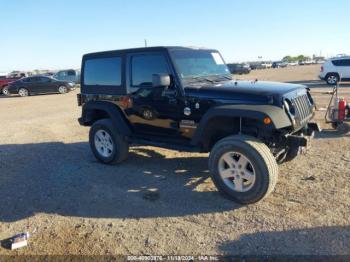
[
  {"x": 303, "y": 138},
  {"x": 81, "y": 121}
]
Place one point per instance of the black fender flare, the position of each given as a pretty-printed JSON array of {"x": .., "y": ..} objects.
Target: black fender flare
[
  {"x": 111, "y": 109},
  {"x": 278, "y": 116}
]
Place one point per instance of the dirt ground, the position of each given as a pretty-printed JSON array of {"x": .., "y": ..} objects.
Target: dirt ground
[{"x": 162, "y": 202}]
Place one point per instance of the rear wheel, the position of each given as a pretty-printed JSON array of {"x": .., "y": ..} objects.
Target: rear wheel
[
  {"x": 243, "y": 169},
  {"x": 332, "y": 79},
  {"x": 23, "y": 92},
  {"x": 107, "y": 144}
]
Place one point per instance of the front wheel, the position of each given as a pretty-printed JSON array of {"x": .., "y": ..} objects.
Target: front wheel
[
  {"x": 243, "y": 169},
  {"x": 23, "y": 92},
  {"x": 107, "y": 144},
  {"x": 5, "y": 91},
  {"x": 62, "y": 89}
]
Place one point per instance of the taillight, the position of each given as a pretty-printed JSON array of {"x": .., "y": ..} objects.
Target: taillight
[{"x": 321, "y": 68}]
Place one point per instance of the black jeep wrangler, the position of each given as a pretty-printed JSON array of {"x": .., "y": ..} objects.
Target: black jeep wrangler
[{"x": 185, "y": 99}]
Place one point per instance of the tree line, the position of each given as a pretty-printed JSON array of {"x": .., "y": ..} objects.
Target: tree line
[{"x": 291, "y": 59}]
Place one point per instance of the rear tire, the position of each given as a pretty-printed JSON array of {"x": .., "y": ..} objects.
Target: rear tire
[
  {"x": 332, "y": 79},
  {"x": 244, "y": 183},
  {"x": 107, "y": 144}
]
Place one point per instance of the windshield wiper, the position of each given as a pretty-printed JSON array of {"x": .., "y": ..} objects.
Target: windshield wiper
[
  {"x": 200, "y": 79},
  {"x": 221, "y": 78}
]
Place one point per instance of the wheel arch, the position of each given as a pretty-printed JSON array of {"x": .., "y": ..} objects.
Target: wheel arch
[
  {"x": 332, "y": 73},
  {"x": 93, "y": 111},
  {"x": 222, "y": 121}
]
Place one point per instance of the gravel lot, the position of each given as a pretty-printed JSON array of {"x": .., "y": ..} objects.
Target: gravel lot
[{"x": 161, "y": 201}]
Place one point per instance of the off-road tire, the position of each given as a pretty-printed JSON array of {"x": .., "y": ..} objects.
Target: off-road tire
[
  {"x": 120, "y": 145},
  {"x": 264, "y": 163}
]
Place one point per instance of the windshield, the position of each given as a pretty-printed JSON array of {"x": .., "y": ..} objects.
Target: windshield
[{"x": 197, "y": 64}]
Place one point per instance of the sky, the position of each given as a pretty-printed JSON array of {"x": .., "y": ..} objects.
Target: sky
[{"x": 48, "y": 34}]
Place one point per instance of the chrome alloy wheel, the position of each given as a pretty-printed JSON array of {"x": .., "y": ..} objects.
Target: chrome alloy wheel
[
  {"x": 104, "y": 143},
  {"x": 236, "y": 171},
  {"x": 332, "y": 80},
  {"x": 62, "y": 89},
  {"x": 23, "y": 92}
]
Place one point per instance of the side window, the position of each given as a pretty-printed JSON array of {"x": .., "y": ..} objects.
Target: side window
[
  {"x": 71, "y": 73},
  {"x": 103, "y": 71},
  {"x": 60, "y": 74},
  {"x": 336, "y": 62},
  {"x": 341, "y": 62},
  {"x": 44, "y": 79},
  {"x": 144, "y": 66}
]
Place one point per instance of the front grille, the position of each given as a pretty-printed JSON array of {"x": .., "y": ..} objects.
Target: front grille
[{"x": 303, "y": 109}]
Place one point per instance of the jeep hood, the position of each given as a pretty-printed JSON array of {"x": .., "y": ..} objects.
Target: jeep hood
[{"x": 242, "y": 90}]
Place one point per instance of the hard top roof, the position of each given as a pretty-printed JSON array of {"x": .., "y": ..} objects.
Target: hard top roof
[{"x": 146, "y": 49}]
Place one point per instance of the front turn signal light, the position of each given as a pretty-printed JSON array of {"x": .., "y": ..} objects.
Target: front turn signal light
[{"x": 267, "y": 121}]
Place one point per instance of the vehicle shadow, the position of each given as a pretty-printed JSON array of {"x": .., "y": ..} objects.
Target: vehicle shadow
[
  {"x": 332, "y": 133},
  {"x": 66, "y": 179},
  {"x": 311, "y": 241},
  {"x": 11, "y": 96}
]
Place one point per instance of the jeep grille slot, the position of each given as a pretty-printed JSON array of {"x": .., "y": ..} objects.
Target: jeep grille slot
[{"x": 303, "y": 109}]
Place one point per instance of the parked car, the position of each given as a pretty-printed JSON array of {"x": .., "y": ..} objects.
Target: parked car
[
  {"x": 17, "y": 74},
  {"x": 185, "y": 99},
  {"x": 70, "y": 75},
  {"x": 39, "y": 85},
  {"x": 310, "y": 62},
  {"x": 4, "y": 83},
  {"x": 266, "y": 65},
  {"x": 293, "y": 63},
  {"x": 239, "y": 69},
  {"x": 335, "y": 69},
  {"x": 279, "y": 64},
  {"x": 256, "y": 65}
]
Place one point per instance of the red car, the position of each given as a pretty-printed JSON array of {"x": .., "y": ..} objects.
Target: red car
[{"x": 4, "y": 82}]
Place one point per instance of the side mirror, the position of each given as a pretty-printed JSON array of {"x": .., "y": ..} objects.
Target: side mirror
[{"x": 160, "y": 80}]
